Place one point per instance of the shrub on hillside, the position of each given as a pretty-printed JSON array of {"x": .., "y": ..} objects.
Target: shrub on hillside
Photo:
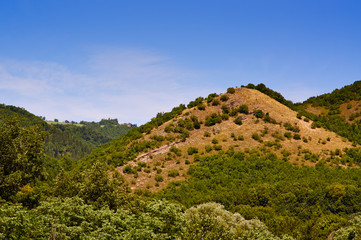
[
  {"x": 231, "y": 90},
  {"x": 208, "y": 148},
  {"x": 192, "y": 150},
  {"x": 159, "y": 178},
  {"x": 225, "y": 109},
  {"x": 224, "y": 98},
  {"x": 213, "y": 119},
  {"x": 173, "y": 173},
  {"x": 238, "y": 120},
  {"x": 243, "y": 109},
  {"x": 258, "y": 113},
  {"x": 215, "y": 102}
]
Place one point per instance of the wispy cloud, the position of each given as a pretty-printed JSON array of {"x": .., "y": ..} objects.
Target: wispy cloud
[{"x": 129, "y": 85}]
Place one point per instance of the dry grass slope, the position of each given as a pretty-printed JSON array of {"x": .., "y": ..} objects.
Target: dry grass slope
[{"x": 171, "y": 160}]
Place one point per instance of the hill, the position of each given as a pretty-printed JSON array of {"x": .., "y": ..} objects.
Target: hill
[
  {"x": 338, "y": 111},
  {"x": 273, "y": 173},
  {"x": 242, "y": 119},
  {"x": 67, "y": 139}
]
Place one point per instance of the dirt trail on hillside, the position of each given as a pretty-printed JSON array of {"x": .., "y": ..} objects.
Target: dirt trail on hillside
[{"x": 145, "y": 157}]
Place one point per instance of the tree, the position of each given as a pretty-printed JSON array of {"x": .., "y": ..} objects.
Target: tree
[
  {"x": 21, "y": 153},
  {"x": 212, "y": 221}
]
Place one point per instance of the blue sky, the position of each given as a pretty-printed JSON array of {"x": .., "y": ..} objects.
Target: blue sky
[{"x": 88, "y": 60}]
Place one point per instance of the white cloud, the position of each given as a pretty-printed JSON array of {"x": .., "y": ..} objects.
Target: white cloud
[{"x": 129, "y": 85}]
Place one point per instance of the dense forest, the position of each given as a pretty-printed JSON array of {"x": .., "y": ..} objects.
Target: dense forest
[
  {"x": 67, "y": 139},
  {"x": 227, "y": 194}
]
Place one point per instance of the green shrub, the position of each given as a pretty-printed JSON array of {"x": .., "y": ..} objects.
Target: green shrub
[
  {"x": 224, "y": 98},
  {"x": 192, "y": 150},
  {"x": 173, "y": 173},
  {"x": 240, "y": 138},
  {"x": 287, "y": 135},
  {"x": 217, "y": 147},
  {"x": 159, "y": 178},
  {"x": 176, "y": 150},
  {"x": 211, "y": 97},
  {"x": 128, "y": 169},
  {"x": 234, "y": 112},
  {"x": 201, "y": 107},
  {"x": 231, "y": 90},
  {"x": 258, "y": 113},
  {"x": 214, "y": 141},
  {"x": 256, "y": 137},
  {"x": 225, "y": 116},
  {"x": 297, "y": 136},
  {"x": 215, "y": 102},
  {"x": 213, "y": 119},
  {"x": 196, "y": 125},
  {"x": 243, "y": 109},
  {"x": 238, "y": 120},
  {"x": 291, "y": 127},
  {"x": 208, "y": 148},
  {"x": 225, "y": 109}
]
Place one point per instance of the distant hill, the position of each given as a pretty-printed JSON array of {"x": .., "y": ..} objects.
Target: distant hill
[{"x": 67, "y": 139}]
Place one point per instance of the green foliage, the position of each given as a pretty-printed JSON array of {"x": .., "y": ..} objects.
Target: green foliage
[
  {"x": 211, "y": 97},
  {"x": 173, "y": 173},
  {"x": 234, "y": 112},
  {"x": 287, "y": 135},
  {"x": 208, "y": 148},
  {"x": 196, "y": 103},
  {"x": 268, "y": 119},
  {"x": 224, "y": 98},
  {"x": 256, "y": 137},
  {"x": 225, "y": 116},
  {"x": 243, "y": 109},
  {"x": 176, "y": 150},
  {"x": 21, "y": 154},
  {"x": 72, "y": 218},
  {"x": 335, "y": 122},
  {"x": 258, "y": 113},
  {"x": 297, "y": 136},
  {"x": 215, "y": 102},
  {"x": 273, "y": 94},
  {"x": 217, "y": 147},
  {"x": 207, "y": 134},
  {"x": 225, "y": 109},
  {"x": 192, "y": 150},
  {"x": 128, "y": 169},
  {"x": 238, "y": 120},
  {"x": 351, "y": 231},
  {"x": 95, "y": 186},
  {"x": 306, "y": 202},
  {"x": 231, "y": 90},
  {"x": 338, "y": 96},
  {"x": 213, "y": 119},
  {"x": 290, "y": 127},
  {"x": 159, "y": 178},
  {"x": 201, "y": 107},
  {"x": 211, "y": 221}
]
